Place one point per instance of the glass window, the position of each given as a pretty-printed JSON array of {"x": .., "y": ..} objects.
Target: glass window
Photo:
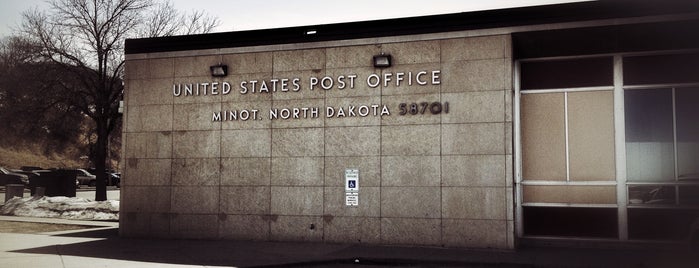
[
  {"x": 654, "y": 194},
  {"x": 687, "y": 107},
  {"x": 660, "y": 224},
  {"x": 649, "y": 135},
  {"x": 543, "y": 137},
  {"x": 661, "y": 69},
  {"x": 591, "y": 135},
  {"x": 587, "y": 72},
  {"x": 689, "y": 195},
  {"x": 569, "y": 221}
]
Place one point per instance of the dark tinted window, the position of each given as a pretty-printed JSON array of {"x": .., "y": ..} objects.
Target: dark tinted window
[
  {"x": 660, "y": 224},
  {"x": 586, "y": 72},
  {"x": 574, "y": 222},
  {"x": 661, "y": 69}
]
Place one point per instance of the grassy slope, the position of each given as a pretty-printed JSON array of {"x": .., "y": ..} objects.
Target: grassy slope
[{"x": 14, "y": 158}]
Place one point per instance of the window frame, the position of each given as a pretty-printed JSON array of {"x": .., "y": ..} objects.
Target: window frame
[{"x": 622, "y": 185}]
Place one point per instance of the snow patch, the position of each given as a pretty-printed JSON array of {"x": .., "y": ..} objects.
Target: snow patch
[{"x": 73, "y": 208}]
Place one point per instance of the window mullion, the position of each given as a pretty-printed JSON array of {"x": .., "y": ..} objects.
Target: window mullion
[
  {"x": 565, "y": 110},
  {"x": 674, "y": 144}
]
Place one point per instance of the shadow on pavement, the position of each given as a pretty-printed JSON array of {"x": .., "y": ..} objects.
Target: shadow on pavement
[{"x": 283, "y": 254}]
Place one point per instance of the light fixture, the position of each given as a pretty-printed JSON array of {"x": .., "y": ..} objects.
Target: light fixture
[
  {"x": 311, "y": 32},
  {"x": 219, "y": 70},
  {"x": 382, "y": 61}
]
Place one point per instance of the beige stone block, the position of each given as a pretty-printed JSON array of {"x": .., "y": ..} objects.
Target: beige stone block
[
  {"x": 148, "y": 145},
  {"x": 244, "y": 227},
  {"x": 149, "y": 91},
  {"x": 151, "y": 172},
  {"x": 508, "y": 63},
  {"x": 413, "y": 52},
  {"x": 508, "y": 138},
  {"x": 297, "y": 113},
  {"x": 352, "y": 141},
  {"x": 351, "y": 82},
  {"x": 369, "y": 202},
  {"x": 509, "y": 171},
  {"x": 199, "y": 89},
  {"x": 352, "y": 230},
  {"x": 145, "y": 199},
  {"x": 508, "y": 105},
  {"x": 145, "y": 225},
  {"x": 134, "y": 224},
  {"x": 410, "y": 140},
  {"x": 511, "y": 235},
  {"x": 245, "y": 200},
  {"x": 297, "y": 142},
  {"x": 297, "y": 200},
  {"x": 410, "y": 171},
  {"x": 369, "y": 170},
  {"x": 195, "y": 199},
  {"x": 159, "y": 225},
  {"x": 246, "y": 63},
  {"x": 136, "y": 69},
  {"x": 475, "y": 233},
  {"x": 297, "y": 228},
  {"x": 481, "y": 138},
  {"x": 195, "y": 226},
  {"x": 296, "y": 60},
  {"x": 246, "y": 87},
  {"x": 509, "y": 194},
  {"x": 474, "y": 107},
  {"x": 476, "y": 203},
  {"x": 245, "y": 171},
  {"x": 485, "y": 47},
  {"x": 411, "y": 79},
  {"x": 426, "y": 232},
  {"x": 196, "y": 172},
  {"x": 196, "y": 116},
  {"x": 298, "y": 171},
  {"x": 161, "y": 68},
  {"x": 579, "y": 194},
  {"x": 474, "y": 170},
  {"x": 197, "y": 144},
  {"x": 351, "y": 56},
  {"x": 410, "y": 202},
  {"x": 477, "y": 75},
  {"x": 408, "y": 118},
  {"x": 248, "y": 114},
  {"x": 195, "y": 66},
  {"x": 346, "y": 111},
  {"x": 305, "y": 88},
  {"x": 246, "y": 143},
  {"x": 149, "y": 118}
]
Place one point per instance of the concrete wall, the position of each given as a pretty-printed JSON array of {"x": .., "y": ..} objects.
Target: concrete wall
[{"x": 437, "y": 180}]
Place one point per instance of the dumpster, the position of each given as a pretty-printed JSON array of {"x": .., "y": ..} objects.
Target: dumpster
[{"x": 59, "y": 182}]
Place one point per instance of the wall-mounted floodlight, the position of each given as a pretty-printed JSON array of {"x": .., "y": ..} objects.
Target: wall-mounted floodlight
[
  {"x": 382, "y": 61},
  {"x": 219, "y": 70}
]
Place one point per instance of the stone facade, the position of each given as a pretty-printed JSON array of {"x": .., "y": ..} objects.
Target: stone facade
[{"x": 427, "y": 179}]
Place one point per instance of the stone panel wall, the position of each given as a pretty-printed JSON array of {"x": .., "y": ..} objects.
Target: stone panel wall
[{"x": 437, "y": 180}]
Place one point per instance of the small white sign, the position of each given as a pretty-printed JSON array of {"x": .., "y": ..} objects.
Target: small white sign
[
  {"x": 351, "y": 180},
  {"x": 352, "y": 199}
]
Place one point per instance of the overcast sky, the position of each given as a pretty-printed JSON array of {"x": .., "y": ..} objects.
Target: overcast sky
[{"x": 238, "y": 15}]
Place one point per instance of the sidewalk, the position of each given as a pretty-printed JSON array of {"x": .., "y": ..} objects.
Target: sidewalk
[{"x": 102, "y": 247}]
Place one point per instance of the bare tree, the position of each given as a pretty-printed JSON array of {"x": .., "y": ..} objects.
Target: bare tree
[
  {"x": 165, "y": 20},
  {"x": 87, "y": 37}
]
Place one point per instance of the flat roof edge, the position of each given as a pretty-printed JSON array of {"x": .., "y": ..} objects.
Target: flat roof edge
[{"x": 478, "y": 20}]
